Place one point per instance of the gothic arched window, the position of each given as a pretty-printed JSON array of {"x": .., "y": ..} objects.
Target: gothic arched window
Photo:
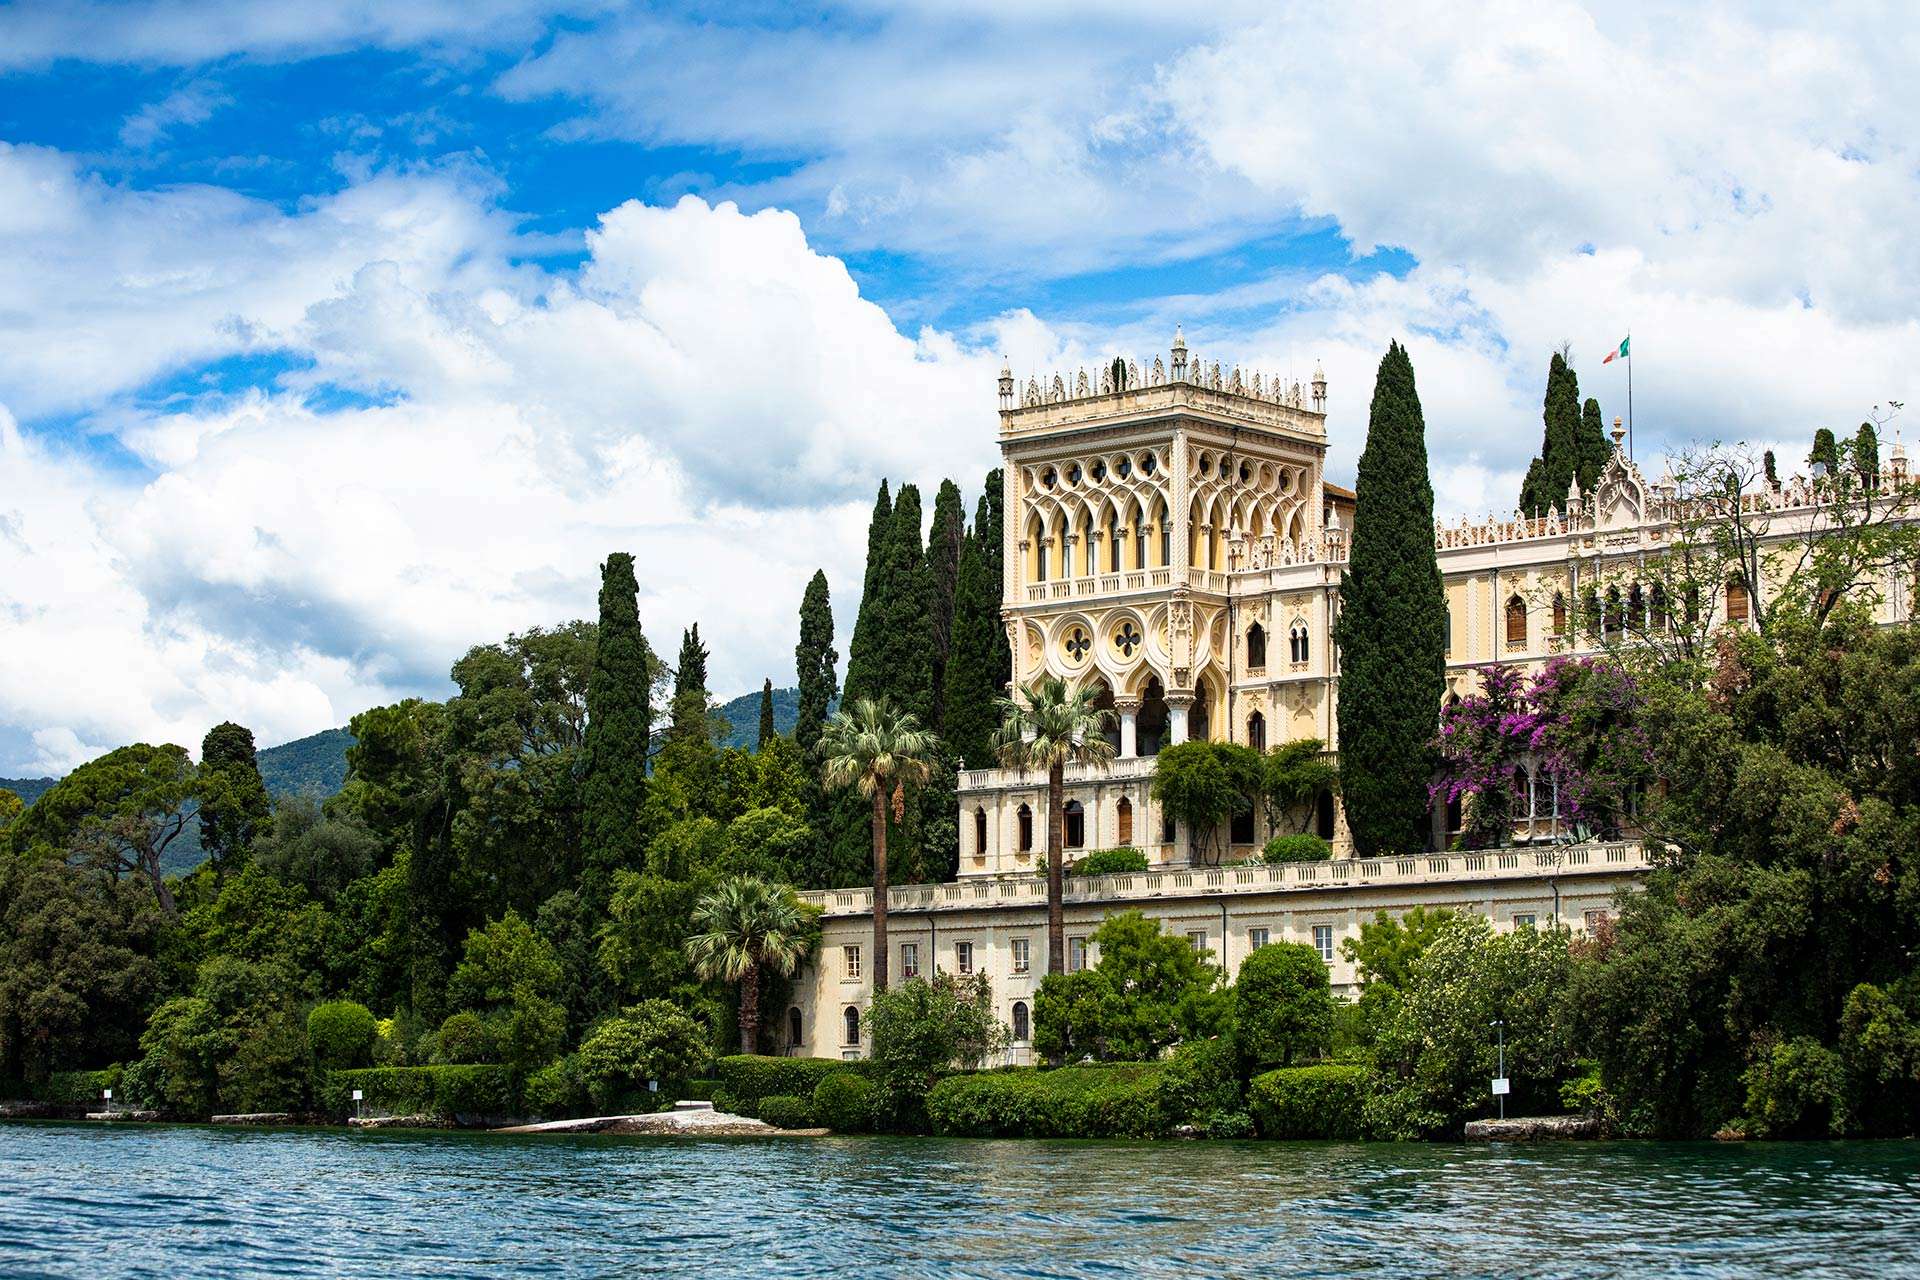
[
  {"x": 851, "y": 1018},
  {"x": 793, "y": 1026},
  {"x": 1516, "y": 622},
  {"x": 980, "y": 831},
  {"x": 1076, "y": 825},
  {"x": 1257, "y": 731},
  {"x": 1739, "y": 603},
  {"x": 1123, "y": 813},
  {"x": 1256, "y": 646},
  {"x": 1559, "y": 613},
  {"x": 1026, "y": 829},
  {"x": 1298, "y": 643}
]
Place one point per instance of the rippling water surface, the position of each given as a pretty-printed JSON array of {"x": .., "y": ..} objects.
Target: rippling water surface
[{"x": 186, "y": 1201}]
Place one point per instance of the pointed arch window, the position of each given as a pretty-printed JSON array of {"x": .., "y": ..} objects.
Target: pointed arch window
[
  {"x": 1739, "y": 603},
  {"x": 1299, "y": 646},
  {"x": 1559, "y": 613},
  {"x": 1113, "y": 542},
  {"x": 1257, "y": 731},
  {"x": 1516, "y": 622},
  {"x": 1446, "y": 623},
  {"x": 1658, "y": 616},
  {"x": 1123, "y": 813},
  {"x": 979, "y": 831},
  {"x": 1256, "y": 646},
  {"x": 1026, "y": 829},
  {"x": 1076, "y": 825},
  {"x": 1615, "y": 621},
  {"x": 793, "y": 1026}
]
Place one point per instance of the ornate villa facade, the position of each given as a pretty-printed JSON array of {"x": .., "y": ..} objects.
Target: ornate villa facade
[{"x": 1171, "y": 539}]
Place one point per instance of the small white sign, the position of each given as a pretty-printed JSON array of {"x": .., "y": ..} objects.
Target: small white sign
[
  {"x": 357, "y": 1095},
  {"x": 107, "y": 1094},
  {"x": 1499, "y": 1086}
]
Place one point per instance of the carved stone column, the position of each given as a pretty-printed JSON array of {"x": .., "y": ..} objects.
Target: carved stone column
[
  {"x": 1129, "y": 710},
  {"x": 1177, "y": 706}
]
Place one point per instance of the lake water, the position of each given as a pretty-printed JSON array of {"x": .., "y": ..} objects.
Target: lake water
[{"x": 191, "y": 1201}]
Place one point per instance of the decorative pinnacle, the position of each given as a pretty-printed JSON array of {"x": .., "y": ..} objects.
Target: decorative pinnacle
[{"x": 1619, "y": 432}]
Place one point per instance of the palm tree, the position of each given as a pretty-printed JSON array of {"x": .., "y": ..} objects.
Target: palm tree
[
  {"x": 1048, "y": 727},
  {"x": 880, "y": 752},
  {"x": 748, "y": 927}
]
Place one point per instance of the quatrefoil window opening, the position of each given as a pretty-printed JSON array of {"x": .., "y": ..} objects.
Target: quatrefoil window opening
[
  {"x": 1078, "y": 644},
  {"x": 1126, "y": 640}
]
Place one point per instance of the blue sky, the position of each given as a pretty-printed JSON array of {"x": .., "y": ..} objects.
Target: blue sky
[{"x": 337, "y": 338}]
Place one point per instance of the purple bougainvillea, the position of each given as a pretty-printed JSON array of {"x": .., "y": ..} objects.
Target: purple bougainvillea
[{"x": 1573, "y": 728}]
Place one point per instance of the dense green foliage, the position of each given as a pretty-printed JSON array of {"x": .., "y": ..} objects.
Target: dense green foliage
[
  {"x": 1574, "y": 445},
  {"x": 784, "y": 1111},
  {"x": 1326, "y": 1101},
  {"x": 445, "y": 1092},
  {"x": 341, "y": 1034},
  {"x": 844, "y": 1102},
  {"x": 1120, "y": 1101},
  {"x": 1109, "y": 862},
  {"x": 923, "y": 1029},
  {"x": 1148, "y": 990},
  {"x": 814, "y": 663},
  {"x": 619, "y": 707},
  {"x": 648, "y": 1049},
  {"x": 741, "y": 1080},
  {"x": 1282, "y": 1004},
  {"x": 1200, "y": 1086},
  {"x": 1392, "y": 626},
  {"x": 1296, "y": 848},
  {"x": 1203, "y": 785},
  {"x": 1293, "y": 776},
  {"x": 233, "y": 805}
]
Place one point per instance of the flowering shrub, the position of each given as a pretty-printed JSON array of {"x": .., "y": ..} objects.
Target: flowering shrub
[{"x": 1574, "y": 726}]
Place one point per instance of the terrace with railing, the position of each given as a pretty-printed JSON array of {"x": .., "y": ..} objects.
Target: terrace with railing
[{"x": 1489, "y": 866}]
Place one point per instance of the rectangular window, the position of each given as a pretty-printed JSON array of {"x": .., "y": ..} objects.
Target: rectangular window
[
  {"x": 1197, "y": 939},
  {"x": 909, "y": 959},
  {"x": 1323, "y": 941},
  {"x": 1523, "y": 922},
  {"x": 963, "y": 958},
  {"x": 1076, "y": 954},
  {"x": 850, "y": 962},
  {"x": 1257, "y": 938},
  {"x": 1594, "y": 919},
  {"x": 1022, "y": 956}
]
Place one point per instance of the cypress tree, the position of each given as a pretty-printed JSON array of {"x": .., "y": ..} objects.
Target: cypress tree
[
  {"x": 767, "y": 732},
  {"x": 692, "y": 716},
  {"x": 1773, "y": 474},
  {"x": 235, "y": 807},
  {"x": 1595, "y": 446},
  {"x": 814, "y": 660},
  {"x": 613, "y": 785},
  {"x": 1826, "y": 452},
  {"x": 867, "y": 624},
  {"x": 904, "y": 669},
  {"x": 1391, "y": 629},
  {"x": 989, "y": 530},
  {"x": 971, "y": 718},
  {"x": 1552, "y": 473},
  {"x": 942, "y": 581},
  {"x": 1866, "y": 452}
]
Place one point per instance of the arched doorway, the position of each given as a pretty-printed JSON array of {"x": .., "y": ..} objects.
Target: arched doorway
[{"x": 1150, "y": 726}]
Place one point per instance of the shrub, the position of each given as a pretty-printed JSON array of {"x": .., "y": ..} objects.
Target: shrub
[
  {"x": 1109, "y": 862},
  {"x": 448, "y": 1092},
  {"x": 1228, "y": 1124},
  {"x": 467, "y": 1038},
  {"x": 843, "y": 1101},
  {"x": 1202, "y": 1079},
  {"x": 1311, "y": 1102},
  {"x": 80, "y": 1088},
  {"x": 784, "y": 1111},
  {"x": 1149, "y": 990},
  {"x": 342, "y": 1033},
  {"x": 1298, "y": 848},
  {"x": 1121, "y": 1100},
  {"x": 1796, "y": 1089},
  {"x": 742, "y": 1079},
  {"x": 1282, "y": 1004},
  {"x": 650, "y": 1041},
  {"x": 922, "y": 1030},
  {"x": 557, "y": 1089},
  {"x": 1880, "y": 1048}
]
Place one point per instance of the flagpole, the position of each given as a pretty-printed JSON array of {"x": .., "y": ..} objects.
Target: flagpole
[{"x": 1629, "y": 394}]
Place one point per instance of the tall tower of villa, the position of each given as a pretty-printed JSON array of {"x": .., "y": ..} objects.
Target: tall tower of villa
[{"x": 1172, "y": 542}]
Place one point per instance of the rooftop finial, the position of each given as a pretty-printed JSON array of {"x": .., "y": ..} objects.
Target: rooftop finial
[
  {"x": 1179, "y": 355},
  {"x": 1319, "y": 388}
]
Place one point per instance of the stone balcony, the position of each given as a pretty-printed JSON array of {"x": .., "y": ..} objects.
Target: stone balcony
[
  {"x": 1488, "y": 867},
  {"x": 1123, "y": 769}
]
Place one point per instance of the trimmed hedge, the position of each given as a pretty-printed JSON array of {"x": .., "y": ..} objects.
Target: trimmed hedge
[
  {"x": 1109, "y": 862},
  {"x": 1311, "y": 1102},
  {"x": 784, "y": 1111},
  {"x": 1121, "y": 1100},
  {"x": 1297, "y": 848},
  {"x": 742, "y": 1079},
  {"x": 446, "y": 1091},
  {"x": 79, "y": 1088},
  {"x": 844, "y": 1102},
  {"x": 1200, "y": 1085}
]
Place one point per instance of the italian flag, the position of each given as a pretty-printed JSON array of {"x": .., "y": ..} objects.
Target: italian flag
[{"x": 1618, "y": 353}]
